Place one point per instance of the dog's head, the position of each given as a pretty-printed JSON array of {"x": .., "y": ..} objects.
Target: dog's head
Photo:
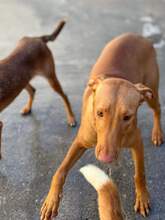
[{"x": 115, "y": 104}]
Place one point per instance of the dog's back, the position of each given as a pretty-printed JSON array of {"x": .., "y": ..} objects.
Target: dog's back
[
  {"x": 18, "y": 68},
  {"x": 127, "y": 56},
  {"x": 28, "y": 59}
]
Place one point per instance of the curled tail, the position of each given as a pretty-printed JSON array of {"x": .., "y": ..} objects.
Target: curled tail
[
  {"x": 55, "y": 33},
  {"x": 108, "y": 197}
]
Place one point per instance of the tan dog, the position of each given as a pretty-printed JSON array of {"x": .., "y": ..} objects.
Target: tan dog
[
  {"x": 108, "y": 197},
  {"x": 31, "y": 57},
  {"x": 125, "y": 75}
]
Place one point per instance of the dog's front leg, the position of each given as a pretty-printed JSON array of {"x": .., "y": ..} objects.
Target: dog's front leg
[
  {"x": 1, "y": 125},
  {"x": 142, "y": 195},
  {"x": 51, "y": 203}
]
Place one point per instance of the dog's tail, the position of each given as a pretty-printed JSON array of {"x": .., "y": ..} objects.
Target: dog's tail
[
  {"x": 55, "y": 33},
  {"x": 108, "y": 198},
  {"x": 95, "y": 176}
]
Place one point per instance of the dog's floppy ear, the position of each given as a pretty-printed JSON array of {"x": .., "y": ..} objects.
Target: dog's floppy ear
[
  {"x": 93, "y": 83},
  {"x": 146, "y": 92}
]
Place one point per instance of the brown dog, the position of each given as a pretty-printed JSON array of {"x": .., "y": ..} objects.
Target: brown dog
[
  {"x": 31, "y": 57},
  {"x": 109, "y": 204},
  {"x": 125, "y": 75}
]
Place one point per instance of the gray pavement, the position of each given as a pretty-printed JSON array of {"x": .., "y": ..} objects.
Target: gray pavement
[{"x": 34, "y": 146}]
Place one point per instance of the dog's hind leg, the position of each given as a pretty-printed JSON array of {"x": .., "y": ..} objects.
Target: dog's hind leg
[
  {"x": 50, "y": 75},
  {"x": 55, "y": 84},
  {"x": 154, "y": 103},
  {"x": 1, "y": 125},
  {"x": 157, "y": 134},
  {"x": 27, "y": 108}
]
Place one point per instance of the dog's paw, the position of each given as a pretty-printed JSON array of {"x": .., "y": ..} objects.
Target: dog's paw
[
  {"x": 142, "y": 203},
  {"x": 49, "y": 208},
  {"x": 72, "y": 122},
  {"x": 157, "y": 137},
  {"x": 25, "y": 111}
]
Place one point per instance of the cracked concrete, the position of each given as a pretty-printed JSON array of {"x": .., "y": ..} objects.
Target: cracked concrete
[{"x": 34, "y": 146}]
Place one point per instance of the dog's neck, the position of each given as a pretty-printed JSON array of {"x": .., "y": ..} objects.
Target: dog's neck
[{"x": 115, "y": 72}]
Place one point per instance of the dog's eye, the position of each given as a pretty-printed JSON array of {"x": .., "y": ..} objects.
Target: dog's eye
[
  {"x": 127, "y": 117},
  {"x": 100, "y": 113}
]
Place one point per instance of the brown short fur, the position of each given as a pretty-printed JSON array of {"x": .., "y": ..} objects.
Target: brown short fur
[
  {"x": 125, "y": 75},
  {"x": 31, "y": 57},
  {"x": 109, "y": 203}
]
